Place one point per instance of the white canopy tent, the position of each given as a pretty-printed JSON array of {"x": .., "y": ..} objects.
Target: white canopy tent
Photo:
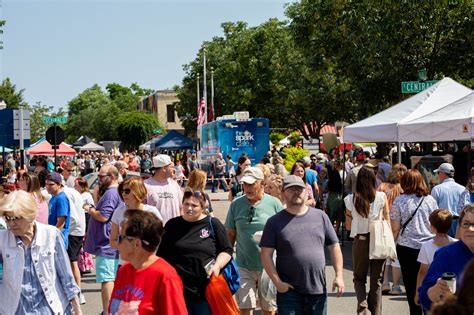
[
  {"x": 454, "y": 122},
  {"x": 91, "y": 146},
  {"x": 384, "y": 126}
]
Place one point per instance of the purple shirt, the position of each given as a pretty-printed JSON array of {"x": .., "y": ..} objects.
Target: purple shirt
[{"x": 98, "y": 233}]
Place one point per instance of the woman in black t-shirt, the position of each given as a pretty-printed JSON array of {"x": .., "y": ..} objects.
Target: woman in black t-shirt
[{"x": 195, "y": 249}]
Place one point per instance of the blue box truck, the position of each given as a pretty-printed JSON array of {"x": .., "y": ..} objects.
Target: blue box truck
[{"x": 233, "y": 137}]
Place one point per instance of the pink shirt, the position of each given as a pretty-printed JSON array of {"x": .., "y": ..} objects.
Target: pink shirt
[
  {"x": 42, "y": 211},
  {"x": 165, "y": 196}
]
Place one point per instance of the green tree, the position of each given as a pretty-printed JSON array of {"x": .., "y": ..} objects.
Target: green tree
[
  {"x": 135, "y": 128},
  {"x": 10, "y": 95},
  {"x": 37, "y": 126},
  {"x": 276, "y": 137}
]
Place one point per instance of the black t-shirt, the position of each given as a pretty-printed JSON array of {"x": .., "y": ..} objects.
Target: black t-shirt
[
  {"x": 334, "y": 178},
  {"x": 188, "y": 247}
]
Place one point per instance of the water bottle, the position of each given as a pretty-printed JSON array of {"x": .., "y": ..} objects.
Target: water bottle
[{"x": 450, "y": 278}]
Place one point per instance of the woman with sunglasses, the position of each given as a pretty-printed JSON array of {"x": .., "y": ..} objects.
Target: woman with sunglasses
[
  {"x": 197, "y": 182},
  {"x": 132, "y": 191},
  {"x": 37, "y": 276},
  {"x": 146, "y": 283},
  {"x": 196, "y": 249}
]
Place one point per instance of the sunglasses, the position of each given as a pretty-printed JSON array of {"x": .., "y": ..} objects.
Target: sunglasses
[
  {"x": 188, "y": 194},
  {"x": 121, "y": 238},
  {"x": 103, "y": 175},
  {"x": 251, "y": 214},
  {"x": 12, "y": 219},
  {"x": 126, "y": 191}
]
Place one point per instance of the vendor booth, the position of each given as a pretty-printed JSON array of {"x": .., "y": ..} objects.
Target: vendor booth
[{"x": 45, "y": 148}]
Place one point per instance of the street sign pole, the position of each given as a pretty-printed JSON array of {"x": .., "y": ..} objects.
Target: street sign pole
[
  {"x": 22, "y": 139},
  {"x": 55, "y": 146}
]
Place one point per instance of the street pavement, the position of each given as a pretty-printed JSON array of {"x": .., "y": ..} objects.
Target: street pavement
[{"x": 396, "y": 305}]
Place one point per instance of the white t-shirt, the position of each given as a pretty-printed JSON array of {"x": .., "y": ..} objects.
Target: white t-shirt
[
  {"x": 165, "y": 196},
  {"x": 87, "y": 197},
  {"x": 360, "y": 225},
  {"x": 428, "y": 249},
  {"x": 78, "y": 216},
  {"x": 119, "y": 213}
]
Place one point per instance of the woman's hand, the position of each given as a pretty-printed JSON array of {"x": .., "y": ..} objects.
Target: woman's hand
[{"x": 214, "y": 271}]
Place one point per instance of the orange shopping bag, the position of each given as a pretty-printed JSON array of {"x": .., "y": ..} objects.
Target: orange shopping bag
[{"x": 219, "y": 297}]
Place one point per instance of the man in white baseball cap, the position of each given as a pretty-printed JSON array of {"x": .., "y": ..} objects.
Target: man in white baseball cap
[
  {"x": 246, "y": 216},
  {"x": 449, "y": 194},
  {"x": 163, "y": 192}
]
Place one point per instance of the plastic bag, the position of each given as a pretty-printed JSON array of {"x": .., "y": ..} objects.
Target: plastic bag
[
  {"x": 268, "y": 289},
  {"x": 219, "y": 297}
]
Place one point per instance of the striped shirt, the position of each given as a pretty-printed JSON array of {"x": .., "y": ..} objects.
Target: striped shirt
[{"x": 33, "y": 300}]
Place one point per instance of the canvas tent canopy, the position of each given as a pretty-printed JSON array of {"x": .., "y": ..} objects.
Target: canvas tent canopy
[
  {"x": 173, "y": 140},
  {"x": 453, "y": 122},
  {"x": 45, "y": 148},
  {"x": 82, "y": 141},
  {"x": 92, "y": 146},
  {"x": 384, "y": 126}
]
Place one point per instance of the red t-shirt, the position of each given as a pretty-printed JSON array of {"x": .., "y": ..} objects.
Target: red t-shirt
[{"x": 156, "y": 289}]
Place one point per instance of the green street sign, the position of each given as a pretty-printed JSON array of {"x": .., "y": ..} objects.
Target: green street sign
[
  {"x": 416, "y": 86},
  {"x": 157, "y": 131},
  {"x": 55, "y": 120}
]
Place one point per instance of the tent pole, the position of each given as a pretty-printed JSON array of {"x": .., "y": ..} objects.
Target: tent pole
[{"x": 399, "y": 152}]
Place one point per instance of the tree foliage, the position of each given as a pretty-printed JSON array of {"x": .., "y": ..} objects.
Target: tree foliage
[
  {"x": 333, "y": 60},
  {"x": 276, "y": 137},
  {"x": 95, "y": 112},
  {"x": 10, "y": 95},
  {"x": 135, "y": 128}
]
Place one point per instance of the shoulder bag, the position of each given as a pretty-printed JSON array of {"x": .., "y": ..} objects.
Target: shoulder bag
[
  {"x": 411, "y": 218},
  {"x": 230, "y": 271},
  {"x": 382, "y": 244}
]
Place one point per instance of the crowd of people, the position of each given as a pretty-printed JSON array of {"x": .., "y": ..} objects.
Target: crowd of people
[{"x": 157, "y": 244}]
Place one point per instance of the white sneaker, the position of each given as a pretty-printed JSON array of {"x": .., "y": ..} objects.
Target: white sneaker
[{"x": 82, "y": 299}]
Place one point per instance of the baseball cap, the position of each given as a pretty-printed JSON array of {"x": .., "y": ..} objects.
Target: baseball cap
[
  {"x": 446, "y": 168},
  {"x": 306, "y": 161},
  {"x": 55, "y": 177},
  {"x": 292, "y": 181},
  {"x": 251, "y": 175},
  {"x": 161, "y": 160}
]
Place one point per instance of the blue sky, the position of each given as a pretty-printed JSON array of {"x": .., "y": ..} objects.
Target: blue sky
[{"x": 56, "y": 49}]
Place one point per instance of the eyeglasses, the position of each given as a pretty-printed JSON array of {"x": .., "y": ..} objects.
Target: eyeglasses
[
  {"x": 251, "y": 214},
  {"x": 12, "y": 219},
  {"x": 121, "y": 238},
  {"x": 466, "y": 225},
  {"x": 126, "y": 191}
]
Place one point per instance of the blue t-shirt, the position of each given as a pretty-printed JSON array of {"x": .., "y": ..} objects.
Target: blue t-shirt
[
  {"x": 311, "y": 178},
  {"x": 59, "y": 207}
]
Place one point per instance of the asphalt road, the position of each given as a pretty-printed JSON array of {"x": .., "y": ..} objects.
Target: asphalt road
[{"x": 396, "y": 305}]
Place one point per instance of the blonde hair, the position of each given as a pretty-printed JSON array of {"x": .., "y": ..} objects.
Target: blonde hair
[
  {"x": 265, "y": 170},
  {"x": 197, "y": 180},
  {"x": 20, "y": 203},
  {"x": 136, "y": 186}
]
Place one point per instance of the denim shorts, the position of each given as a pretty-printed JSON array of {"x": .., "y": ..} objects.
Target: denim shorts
[
  {"x": 294, "y": 303},
  {"x": 105, "y": 269}
]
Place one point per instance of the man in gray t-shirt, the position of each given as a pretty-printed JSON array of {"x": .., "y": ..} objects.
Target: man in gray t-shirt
[{"x": 299, "y": 235}]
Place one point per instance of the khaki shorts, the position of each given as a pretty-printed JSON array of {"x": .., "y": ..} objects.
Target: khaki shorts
[{"x": 248, "y": 296}]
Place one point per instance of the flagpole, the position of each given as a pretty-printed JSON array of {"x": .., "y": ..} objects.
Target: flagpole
[
  {"x": 198, "y": 95},
  {"x": 212, "y": 93},
  {"x": 204, "y": 93}
]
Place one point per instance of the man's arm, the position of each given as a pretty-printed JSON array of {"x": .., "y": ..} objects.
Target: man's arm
[
  {"x": 231, "y": 233},
  {"x": 266, "y": 255},
  {"x": 337, "y": 262},
  {"x": 61, "y": 221},
  {"x": 94, "y": 213}
]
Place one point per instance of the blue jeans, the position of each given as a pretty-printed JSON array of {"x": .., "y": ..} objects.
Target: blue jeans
[
  {"x": 295, "y": 303},
  {"x": 202, "y": 308},
  {"x": 219, "y": 177}
]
